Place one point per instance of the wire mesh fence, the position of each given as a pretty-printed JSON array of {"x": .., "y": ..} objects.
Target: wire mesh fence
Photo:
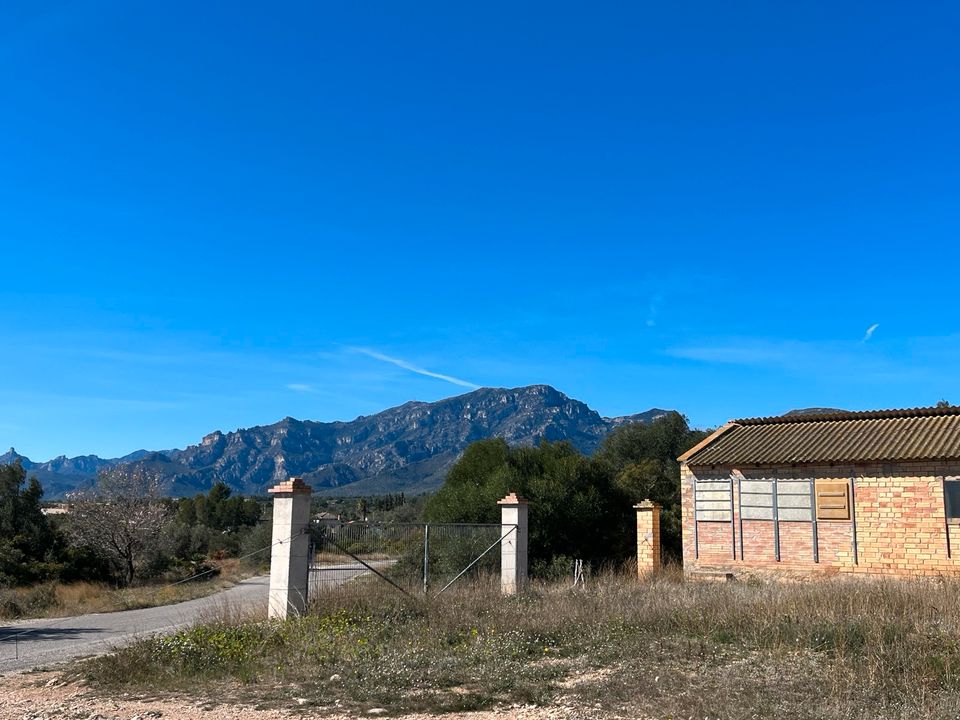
[{"x": 413, "y": 558}]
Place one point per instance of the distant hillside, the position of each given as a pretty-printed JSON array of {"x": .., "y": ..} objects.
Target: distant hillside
[
  {"x": 407, "y": 448},
  {"x": 815, "y": 411},
  {"x": 62, "y": 474}
]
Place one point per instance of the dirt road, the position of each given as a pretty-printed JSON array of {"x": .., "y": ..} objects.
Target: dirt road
[{"x": 27, "y": 644}]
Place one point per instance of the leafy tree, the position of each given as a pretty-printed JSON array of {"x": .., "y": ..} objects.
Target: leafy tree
[
  {"x": 581, "y": 507},
  {"x": 27, "y": 542},
  {"x": 576, "y": 509},
  {"x": 643, "y": 460},
  {"x": 474, "y": 484},
  {"x": 386, "y": 503},
  {"x": 214, "y": 523}
]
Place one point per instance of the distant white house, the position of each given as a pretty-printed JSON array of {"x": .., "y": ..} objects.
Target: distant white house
[{"x": 325, "y": 518}]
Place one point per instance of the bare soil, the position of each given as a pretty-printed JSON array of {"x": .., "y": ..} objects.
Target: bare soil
[{"x": 43, "y": 696}]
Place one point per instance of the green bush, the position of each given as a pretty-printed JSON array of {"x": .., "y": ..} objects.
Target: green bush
[
  {"x": 580, "y": 506},
  {"x": 217, "y": 649},
  {"x": 256, "y": 544}
]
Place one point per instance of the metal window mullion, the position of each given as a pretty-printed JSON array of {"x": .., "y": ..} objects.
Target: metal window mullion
[
  {"x": 740, "y": 512},
  {"x": 733, "y": 527},
  {"x": 776, "y": 521},
  {"x": 853, "y": 520},
  {"x": 813, "y": 522},
  {"x": 696, "y": 520}
]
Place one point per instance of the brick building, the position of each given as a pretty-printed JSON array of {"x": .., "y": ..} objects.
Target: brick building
[{"x": 863, "y": 492}]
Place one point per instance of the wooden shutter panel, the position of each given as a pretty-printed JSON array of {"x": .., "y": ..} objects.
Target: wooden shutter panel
[{"x": 833, "y": 500}]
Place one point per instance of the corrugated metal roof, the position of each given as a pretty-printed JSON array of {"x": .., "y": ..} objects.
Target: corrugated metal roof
[{"x": 873, "y": 436}]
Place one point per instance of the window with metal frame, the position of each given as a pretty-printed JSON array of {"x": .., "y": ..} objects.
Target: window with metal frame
[
  {"x": 713, "y": 499},
  {"x": 792, "y": 499},
  {"x": 951, "y": 498}
]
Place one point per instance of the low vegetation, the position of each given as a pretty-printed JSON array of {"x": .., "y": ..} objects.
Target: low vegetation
[
  {"x": 664, "y": 648},
  {"x": 121, "y": 532},
  {"x": 59, "y": 599},
  {"x": 121, "y": 545},
  {"x": 393, "y": 508},
  {"x": 581, "y": 506}
]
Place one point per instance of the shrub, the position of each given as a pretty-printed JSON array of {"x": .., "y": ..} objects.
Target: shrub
[{"x": 28, "y": 602}]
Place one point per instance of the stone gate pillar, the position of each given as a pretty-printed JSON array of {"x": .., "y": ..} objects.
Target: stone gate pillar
[
  {"x": 513, "y": 547},
  {"x": 289, "y": 559},
  {"x": 648, "y": 537}
]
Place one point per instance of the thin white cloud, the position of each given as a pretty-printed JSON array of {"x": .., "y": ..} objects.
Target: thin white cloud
[
  {"x": 742, "y": 352},
  {"x": 870, "y": 330},
  {"x": 413, "y": 368},
  {"x": 301, "y": 387},
  {"x": 837, "y": 360}
]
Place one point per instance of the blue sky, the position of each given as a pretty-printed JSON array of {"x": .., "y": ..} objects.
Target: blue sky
[{"x": 214, "y": 215}]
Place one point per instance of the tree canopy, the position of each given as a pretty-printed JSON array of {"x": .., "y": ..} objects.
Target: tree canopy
[
  {"x": 642, "y": 459},
  {"x": 121, "y": 530},
  {"x": 580, "y": 506},
  {"x": 26, "y": 538},
  {"x": 219, "y": 509}
]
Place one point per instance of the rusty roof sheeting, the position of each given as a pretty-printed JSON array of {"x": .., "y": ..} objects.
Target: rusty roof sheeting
[{"x": 875, "y": 436}]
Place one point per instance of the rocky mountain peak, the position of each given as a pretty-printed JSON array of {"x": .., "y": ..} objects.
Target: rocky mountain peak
[
  {"x": 405, "y": 448},
  {"x": 12, "y": 456}
]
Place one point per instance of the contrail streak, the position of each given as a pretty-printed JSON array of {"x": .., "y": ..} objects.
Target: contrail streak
[{"x": 413, "y": 368}]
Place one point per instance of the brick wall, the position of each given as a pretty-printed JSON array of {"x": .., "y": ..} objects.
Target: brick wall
[
  {"x": 898, "y": 520},
  {"x": 648, "y": 538}
]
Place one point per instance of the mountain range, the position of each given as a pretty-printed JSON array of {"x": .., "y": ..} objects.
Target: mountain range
[{"x": 408, "y": 448}]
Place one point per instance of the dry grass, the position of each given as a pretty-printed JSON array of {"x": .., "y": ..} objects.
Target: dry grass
[
  {"x": 65, "y": 599},
  {"x": 664, "y": 648}
]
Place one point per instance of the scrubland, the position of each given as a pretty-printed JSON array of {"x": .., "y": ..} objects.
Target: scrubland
[
  {"x": 63, "y": 599},
  {"x": 661, "y": 648}
]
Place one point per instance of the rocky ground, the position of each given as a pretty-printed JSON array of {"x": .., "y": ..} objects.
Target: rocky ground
[{"x": 43, "y": 696}]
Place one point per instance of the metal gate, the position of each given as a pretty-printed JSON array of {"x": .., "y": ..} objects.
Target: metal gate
[{"x": 410, "y": 558}]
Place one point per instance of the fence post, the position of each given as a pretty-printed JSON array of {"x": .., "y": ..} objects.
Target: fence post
[
  {"x": 513, "y": 547},
  {"x": 426, "y": 557},
  {"x": 648, "y": 537},
  {"x": 290, "y": 556}
]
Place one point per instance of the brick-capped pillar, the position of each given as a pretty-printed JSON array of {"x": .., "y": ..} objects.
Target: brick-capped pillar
[
  {"x": 289, "y": 560},
  {"x": 513, "y": 547},
  {"x": 648, "y": 537}
]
